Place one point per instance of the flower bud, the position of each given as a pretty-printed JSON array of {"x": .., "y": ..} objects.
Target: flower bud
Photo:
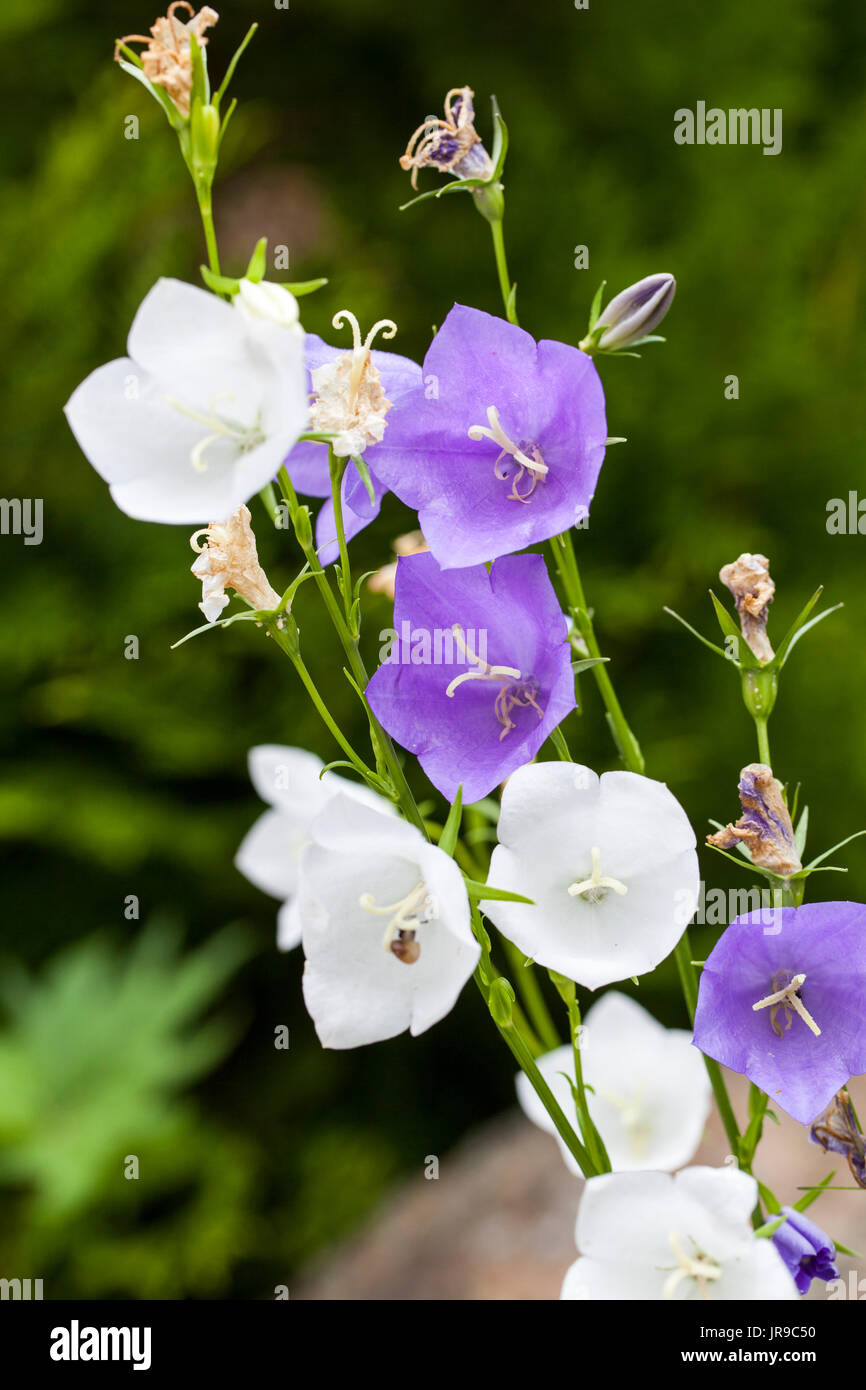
[
  {"x": 266, "y": 300},
  {"x": 632, "y": 314},
  {"x": 303, "y": 528},
  {"x": 500, "y": 1002}
]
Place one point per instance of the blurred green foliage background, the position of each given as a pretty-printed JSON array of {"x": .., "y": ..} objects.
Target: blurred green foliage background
[{"x": 126, "y": 777}]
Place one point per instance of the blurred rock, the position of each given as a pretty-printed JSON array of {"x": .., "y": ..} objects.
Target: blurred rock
[{"x": 498, "y": 1223}]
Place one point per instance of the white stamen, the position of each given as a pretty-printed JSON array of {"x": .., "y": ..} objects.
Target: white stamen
[
  {"x": 698, "y": 1267},
  {"x": 791, "y": 1000},
  {"x": 593, "y": 888},
  {"x": 485, "y": 672},
  {"x": 415, "y": 910},
  {"x": 534, "y": 466}
]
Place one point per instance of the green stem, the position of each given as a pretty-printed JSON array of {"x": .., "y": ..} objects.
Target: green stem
[
  {"x": 382, "y": 745},
  {"x": 502, "y": 269},
  {"x": 337, "y": 469},
  {"x": 205, "y": 207},
  {"x": 565, "y": 559},
  {"x": 688, "y": 982},
  {"x": 763, "y": 741},
  {"x": 525, "y": 1060},
  {"x": 588, "y": 1130},
  {"x": 533, "y": 999}
]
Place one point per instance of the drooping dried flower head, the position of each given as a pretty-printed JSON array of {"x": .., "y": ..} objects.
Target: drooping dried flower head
[
  {"x": 837, "y": 1132},
  {"x": 228, "y": 560},
  {"x": 383, "y": 581},
  {"x": 748, "y": 579},
  {"x": 765, "y": 825},
  {"x": 167, "y": 60},
  {"x": 452, "y": 146}
]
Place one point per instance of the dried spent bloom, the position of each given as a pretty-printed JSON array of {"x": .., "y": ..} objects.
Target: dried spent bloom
[
  {"x": 167, "y": 60},
  {"x": 452, "y": 146},
  {"x": 480, "y": 672},
  {"x": 653, "y": 1237},
  {"x": 228, "y": 559},
  {"x": 307, "y": 463},
  {"x": 837, "y": 1132},
  {"x": 748, "y": 579},
  {"x": 348, "y": 397},
  {"x": 632, "y": 314},
  {"x": 292, "y": 783},
  {"x": 501, "y": 445},
  {"x": 765, "y": 825},
  {"x": 384, "y": 580},
  {"x": 610, "y": 866},
  {"x": 808, "y": 1252},
  {"x": 782, "y": 1000},
  {"x": 648, "y": 1091}
]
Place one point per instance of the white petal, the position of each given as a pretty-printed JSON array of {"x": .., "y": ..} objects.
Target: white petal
[
  {"x": 270, "y": 852},
  {"x": 347, "y": 825},
  {"x": 289, "y": 926},
  {"x": 285, "y": 776},
  {"x": 357, "y": 991}
]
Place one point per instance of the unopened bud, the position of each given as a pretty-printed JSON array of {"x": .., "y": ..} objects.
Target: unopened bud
[{"x": 632, "y": 315}]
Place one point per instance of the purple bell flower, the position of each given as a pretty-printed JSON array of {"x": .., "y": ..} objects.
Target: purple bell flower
[
  {"x": 782, "y": 999},
  {"x": 807, "y": 1251},
  {"x": 501, "y": 445},
  {"x": 479, "y": 673}
]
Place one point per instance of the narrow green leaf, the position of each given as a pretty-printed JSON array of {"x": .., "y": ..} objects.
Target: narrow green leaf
[
  {"x": 798, "y": 622},
  {"x": 803, "y": 630},
  {"x": 302, "y": 287},
  {"x": 483, "y": 892},
  {"x": 500, "y": 142},
  {"x": 230, "y": 70},
  {"x": 801, "y": 832},
  {"x": 693, "y": 630},
  {"x": 595, "y": 308},
  {"x": 826, "y": 855},
  {"x": 814, "y": 1193},
  {"x": 258, "y": 261}
]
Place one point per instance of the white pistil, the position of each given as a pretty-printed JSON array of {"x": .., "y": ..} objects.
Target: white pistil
[
  {"x": 789, "y": 998},
  {"x": 404, "y": 917},
  {"x": 634, "y": 1119},
  {"x": 246, "y": 437},
  {"x": 514, "y": 687},
  {"x": 594, "y": 888},
  {"x": 361, "y": 350},
  {"x": 698, "y": 1267},
  {"x": 485, "y": 671},
  {"x": 534, "y": 466}
]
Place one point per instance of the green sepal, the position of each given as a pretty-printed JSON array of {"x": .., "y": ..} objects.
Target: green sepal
[
  {"x": 159, "y": 94},
  {"x": 501, "y": 1000},
  {"x": 770, "y": 1228},
  {"x": 230, "y": 70},
  {"x": 586, "y": 662},
  {"x": 258, "y": 262},
  {"x": 801, "y": 832},
  {"x": 595, "y": 308},
  {"x": 247, "y": 614},
  {"x": 770, "y": 1200},
  {"x": 693, "y": 630},
  {"x": 364, "y": 474},
  {"x": 730, "y": 629},
  {"x": 451, "y": 829},
  {"x": 301, "y": 287},
  {"x": 483, "y": 892},
  {"x": 500, "y": 142},
  {"x": 220, "y": 284},
  {"x": 814, "y": 1193}
]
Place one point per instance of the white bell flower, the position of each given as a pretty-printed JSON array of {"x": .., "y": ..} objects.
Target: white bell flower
[
  {"x": 648, "y": 1092},
  {"x": 290, "y": 781},
  {"x": 609, "y": 863},
  {"x": 203, "y": 411},
  {"x": 386, "y": 927},
  {"x": 652, "y": 1237}
]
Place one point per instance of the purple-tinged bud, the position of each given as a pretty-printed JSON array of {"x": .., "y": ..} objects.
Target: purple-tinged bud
[
  {"x": 837, "y": 1132},
  {"x": 807, "y": 1251},
  {"x": 632, "y": 315},
  {"x": 765, "y": 825}
]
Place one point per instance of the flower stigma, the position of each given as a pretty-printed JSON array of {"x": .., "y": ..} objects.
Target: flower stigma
[
  {"x": 405, "y": 917},
  {"x": 348, "y": 398},
  {"x": 526, "y": 456},
  {"x": 698, "y": 1267},
  {"x": 595, "y": 888},
  {"x": 786, "y": 995},
  {"x": 516, "y": 689},
  {"x": 246, "y": 437}
]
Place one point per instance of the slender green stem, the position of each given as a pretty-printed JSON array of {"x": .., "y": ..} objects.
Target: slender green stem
[
  {"x": 502, "y": 269},
  {"x": 763, "y": 740},
  {"x": 337, "y": 469},
  {"x": 383, "y": 747},
  {"x": 515, "y": 1040},
  {"x": 562, "y": 548},
  {"x": 324, "y": 713},
  {"x": 688, "y": 981},
  {"x": 205, "y": 207},
  {"x": 529, "y": 990},
  {"x": 589, "y": 1133}
]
